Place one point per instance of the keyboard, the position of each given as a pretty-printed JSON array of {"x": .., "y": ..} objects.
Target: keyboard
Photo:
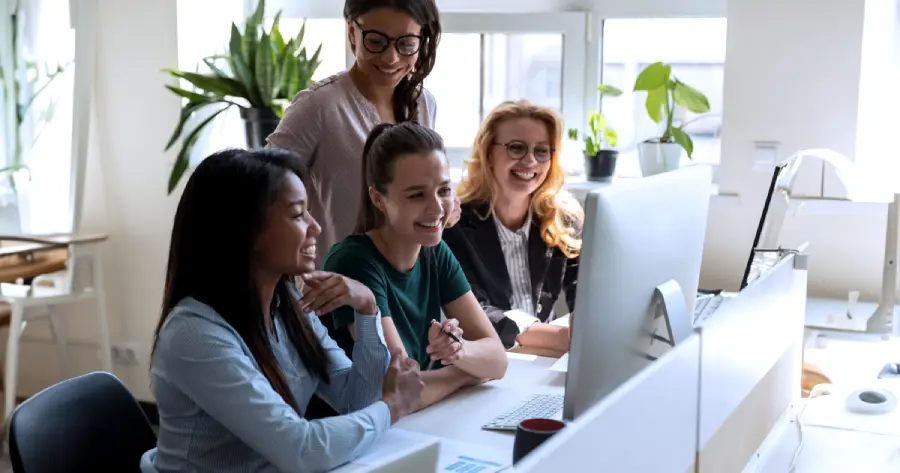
[
  {"x": 539, "y": 406},
  {"x": 705, "y": 307}
]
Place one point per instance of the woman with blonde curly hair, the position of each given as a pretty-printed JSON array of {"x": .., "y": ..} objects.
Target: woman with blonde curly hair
[{"x": 519, "y": 233}]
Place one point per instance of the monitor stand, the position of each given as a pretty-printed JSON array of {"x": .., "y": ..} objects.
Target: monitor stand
[{"x": 668, "y": 321}]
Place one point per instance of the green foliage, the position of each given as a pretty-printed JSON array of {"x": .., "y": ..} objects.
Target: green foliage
[
  {"x": 664, "y": 92},
  {"x": 598, "y": 125},
  {"x": 260, "y": 70}
]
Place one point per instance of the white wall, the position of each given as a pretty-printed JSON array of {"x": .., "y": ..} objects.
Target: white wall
[{"x": 792, "y": 75}]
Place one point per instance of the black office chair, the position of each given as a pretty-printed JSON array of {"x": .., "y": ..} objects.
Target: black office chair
[{"x": 86, "y": 424}]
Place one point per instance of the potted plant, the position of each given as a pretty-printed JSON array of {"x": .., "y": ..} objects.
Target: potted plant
[
  {"x": 260, "y": 74},
  {"x": 664, "y": 93},
  {"x": 599, "y": 163}
]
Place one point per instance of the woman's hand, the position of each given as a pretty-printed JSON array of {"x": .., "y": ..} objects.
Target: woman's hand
[
  {"x": 443, "y": 347},
  {"x": 402, "y": 387},
  {"x": 326, "y": 291}
]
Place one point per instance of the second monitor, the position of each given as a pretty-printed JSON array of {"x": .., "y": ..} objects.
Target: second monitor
[{"x": 638, "y": 236}]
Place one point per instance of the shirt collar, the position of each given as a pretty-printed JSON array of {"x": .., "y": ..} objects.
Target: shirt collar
[{"x": 525, "y": 230}]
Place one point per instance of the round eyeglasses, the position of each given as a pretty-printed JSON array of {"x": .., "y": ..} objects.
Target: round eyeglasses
[
  {"x": 377, "y": 42},
  {"x": 517, "y": 150}
]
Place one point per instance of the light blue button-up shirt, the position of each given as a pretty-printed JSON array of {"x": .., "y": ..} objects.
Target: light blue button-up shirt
[{"x": 218, "y": 412}]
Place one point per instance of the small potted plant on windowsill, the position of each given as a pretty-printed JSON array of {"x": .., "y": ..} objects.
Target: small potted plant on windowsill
[
  {"x": 664, "y": 93},
  {"x": 599, "y": 163}
]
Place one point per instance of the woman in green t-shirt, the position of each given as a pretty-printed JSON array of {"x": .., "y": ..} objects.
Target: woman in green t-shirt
[{"x": 397, "y": 252}]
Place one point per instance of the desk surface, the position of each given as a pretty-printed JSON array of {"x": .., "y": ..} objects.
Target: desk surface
[{"x": 460, "y": 416}]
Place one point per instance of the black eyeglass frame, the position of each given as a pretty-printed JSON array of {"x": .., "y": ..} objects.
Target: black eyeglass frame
[
  {"x": 528, "y": 149},
  {"x": 390, "y": 40}
]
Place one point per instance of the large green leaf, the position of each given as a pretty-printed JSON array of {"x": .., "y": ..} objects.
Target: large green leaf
[
  {"x": 186, "y": 112},
  {"x": 211, "y": 64},
  {"x": 211, "y": 84},
  {"x": 251, "y": 35},
  {"x": 690, "y": 98},
  {"x": 265, "y": 73},
  {"x": 184, "y": 156},
  {"x": 289, "y": 78},
  {"x": 653, "y": 76},
  {"x": 684, "y": 140},
  {"x": 277, "y": 37},
  {"x": 234, "y": 45},
  {"x": 187, "y": 94},
  {"x": 656, "y": 103},
  {"x": 245, "y": 76}
]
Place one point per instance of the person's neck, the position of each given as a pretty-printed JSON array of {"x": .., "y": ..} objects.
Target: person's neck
[
  {"x": 265, "y": 286},
  {"x": 401, "y": 254},
  {"x": 380, "y": 96},
  {"x": 512, "y": 211}
]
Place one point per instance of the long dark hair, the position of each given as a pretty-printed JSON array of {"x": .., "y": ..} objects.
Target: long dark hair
[
  {"x": 425, "y": 13},
  {"x": 220, "y": 215},
  {"x": 385, "y": 144}
]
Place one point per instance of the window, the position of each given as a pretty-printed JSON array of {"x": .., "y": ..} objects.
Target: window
[
  {"x": 485, "y": 59},
  {"x": 695, "y": 47},
  {"x": 44, "y": 200},
  {"x": 204, "y": 28}
]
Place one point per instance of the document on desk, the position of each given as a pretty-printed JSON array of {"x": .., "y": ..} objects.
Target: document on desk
[
  {"x": 465, "y": 457},
  {"x": 455, "y": 456}
]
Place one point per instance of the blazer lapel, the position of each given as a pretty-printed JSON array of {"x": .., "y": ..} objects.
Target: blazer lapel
[
  {"x": 539, "y": 255},
  {"x": 490, "y": 251}
]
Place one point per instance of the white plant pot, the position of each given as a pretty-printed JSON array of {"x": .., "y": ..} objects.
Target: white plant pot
[{"x": 657, "y": 158}]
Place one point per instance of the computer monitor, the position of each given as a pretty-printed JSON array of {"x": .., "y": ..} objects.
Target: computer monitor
[{"x": 637, "y": 236}]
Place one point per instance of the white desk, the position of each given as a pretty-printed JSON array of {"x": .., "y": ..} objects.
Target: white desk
[
  {"x": 460, "y": 416},
  {"x": 850, "y": 360}
]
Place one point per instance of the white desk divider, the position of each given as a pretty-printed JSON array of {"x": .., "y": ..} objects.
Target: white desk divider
[{"x": 647, "y": 425}]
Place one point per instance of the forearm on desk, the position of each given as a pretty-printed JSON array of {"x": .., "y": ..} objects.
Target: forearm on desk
[
  {"x": 443, "y": 382},
  {"x": 541, "y": 335},
  {"x": 484, "y": 358}
]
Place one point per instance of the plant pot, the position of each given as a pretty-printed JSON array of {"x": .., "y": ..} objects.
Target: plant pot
[
  {"x": 601, "y": 166},
  {"x": 259, "y": 123},
  {"x": 657, "y": 158}
]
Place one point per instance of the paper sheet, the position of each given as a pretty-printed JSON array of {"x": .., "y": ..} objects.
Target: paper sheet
[
  {"x": 455, "y": 456},
  {"x": 459, "y": 457},
  {"x": 561, "y": 365}
]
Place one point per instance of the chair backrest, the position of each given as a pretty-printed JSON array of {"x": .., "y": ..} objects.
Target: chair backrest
[{"x": 88, "y": 423}]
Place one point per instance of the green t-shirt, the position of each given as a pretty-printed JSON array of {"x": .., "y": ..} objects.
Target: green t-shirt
[{"x": 412, "y": 299}]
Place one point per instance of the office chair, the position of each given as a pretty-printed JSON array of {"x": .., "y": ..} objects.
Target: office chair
[{"x": 85, "y": 424}]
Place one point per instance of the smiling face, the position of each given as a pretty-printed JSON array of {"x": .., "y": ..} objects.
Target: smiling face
[
  {"x": 524, "y": 137},
  {"x": 419, "y": 198},
  {"x": 378, "y": 38},
  {"x": 287, "y": 244}
]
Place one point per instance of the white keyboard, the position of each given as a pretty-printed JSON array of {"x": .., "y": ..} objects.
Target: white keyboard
[
  {"x": 705, "y": 307},
  {"x": 539, "y": 406}
]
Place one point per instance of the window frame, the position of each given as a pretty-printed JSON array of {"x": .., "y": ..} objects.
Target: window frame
[{"x": 572, "y": 25}]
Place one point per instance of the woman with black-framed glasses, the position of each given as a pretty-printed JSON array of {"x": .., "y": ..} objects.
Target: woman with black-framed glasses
[
  {"x": 394, "y": 43},
  {"x": 519, "y": 233}
]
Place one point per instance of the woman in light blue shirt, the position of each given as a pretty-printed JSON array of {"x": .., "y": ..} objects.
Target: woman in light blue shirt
[{"x": 235, "y": 359}]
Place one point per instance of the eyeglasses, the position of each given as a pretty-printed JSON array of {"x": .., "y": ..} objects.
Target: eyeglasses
[
  {"x": 377, "y": 42},
  {"x": 517, "y": 150}
]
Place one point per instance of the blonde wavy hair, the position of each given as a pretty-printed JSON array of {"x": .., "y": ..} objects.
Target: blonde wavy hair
[{"x": 560, "y": 214}]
